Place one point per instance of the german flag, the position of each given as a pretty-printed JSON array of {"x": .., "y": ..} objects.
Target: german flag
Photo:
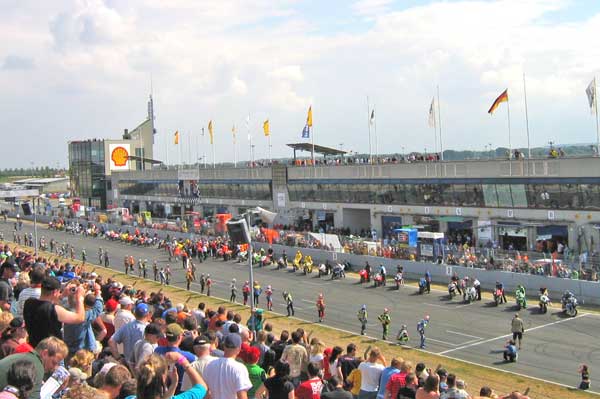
[{"x": 502, "y": 98}]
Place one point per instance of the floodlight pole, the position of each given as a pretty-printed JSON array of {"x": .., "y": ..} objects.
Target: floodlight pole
[
  {"x": 248, "y": 215},
  {"x": 35, "y": 225}
]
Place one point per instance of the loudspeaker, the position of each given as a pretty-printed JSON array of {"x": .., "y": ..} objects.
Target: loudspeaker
[
  {"x": 26, "y": 206},
  {"x": 238, "y": 231}
]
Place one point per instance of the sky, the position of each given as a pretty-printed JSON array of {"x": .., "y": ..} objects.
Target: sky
[{"x": 78, "y": 69}]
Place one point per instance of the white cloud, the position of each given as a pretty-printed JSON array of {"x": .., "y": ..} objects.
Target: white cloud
[{"x": 221, "y": 60}]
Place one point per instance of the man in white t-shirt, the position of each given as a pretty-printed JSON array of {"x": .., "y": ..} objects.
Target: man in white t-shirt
[
  {"x": 202, "y": 351},
  {"x": 226, "y": 377},
  {"x": 370, "y": 372},
  {"x": 124, "y": 314}
]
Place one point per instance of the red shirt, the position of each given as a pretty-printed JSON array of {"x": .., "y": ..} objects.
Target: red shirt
[
  {"x": 310, "y": 389},
  {"x": 396, "y": 381}
]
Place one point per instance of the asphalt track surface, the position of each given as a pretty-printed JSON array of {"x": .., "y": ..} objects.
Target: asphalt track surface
[{"x": 554, "y": 346}]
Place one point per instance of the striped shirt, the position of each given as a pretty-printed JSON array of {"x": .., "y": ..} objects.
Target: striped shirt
[{"x": 25, "y": 295}]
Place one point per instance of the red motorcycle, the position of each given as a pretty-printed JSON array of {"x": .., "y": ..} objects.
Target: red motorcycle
[
  {"x": 378, "y": 280},
  {"x": 364, "y": 276}
]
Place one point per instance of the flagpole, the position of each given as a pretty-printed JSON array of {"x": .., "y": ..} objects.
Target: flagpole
[
  {"x": 179, "y": 151},
  {"x": 197, "y": 152},
  {"x": 270, "y": 158},
  {"x": 597, "y": 130},
  {"x": 369, "y": 124},
  {"x": 167, "y": 152},
  {"x": 435, "y": 132},
  {"x": 375, "y": 134},
  {"x": 213, "y": 149},
  {"x": 440, "y": 123},
  {"x": 203, "y": 148},
  {"x": 509, "y": 139},
  {"x": 234, "y": 148},
  {"x": 190, "y": 148},
  {"x": 526, "y": 118}
]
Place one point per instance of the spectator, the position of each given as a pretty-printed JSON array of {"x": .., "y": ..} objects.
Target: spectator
[
  {"x": 226, "y": 377},
  {"x": 124, "y": 314},
  {"x": 44, "y": 318},
  {"x": 129, "y": 334},
  {"x": 353, "y": 382},
  {"x": 108, "y": 318},
  {"x": 297, "y": 357},
  {"x": 454, "y": 392},
  {"x": 114, "y": 380},
  {"x": 255, "y": 372},
  {"x": 154, "y": 374},
  {"x": 279, "y": 386},
  {"x": 312, "y": 387},
  {"x": 202, "y": 352},
  {"x": 12, "y": 337},
  {"x": 430, "y": 390},
  {"x": 386, "y": 374},
  {"x": 7, "y": 272},
  {"x": 46, "y": 357},
  {"x": 146, "y": 346},
  {"x": 336, "y": 390},
  {"x": 81, "y": 336},
  {"x": 485, "y": 392},
  {"x": 21, "y": 379},
  {"x": 370, "y": 374},
  {"x": 174, "y": 335},
  {"x": 397, "y": 381},
  {"x": 36, "y": 276},
  {"x": 409, "y": 390}
]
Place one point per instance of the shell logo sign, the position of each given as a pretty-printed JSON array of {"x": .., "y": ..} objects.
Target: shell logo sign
[{"x": 119, "y": 156}]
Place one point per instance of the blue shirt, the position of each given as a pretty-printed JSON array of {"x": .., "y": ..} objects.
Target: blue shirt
[
  {"x": 162, "y": 350},
  {"x": 383, "y": 380},
  {"x": 128, "y": 335},
  {"x": 81, "y": 336},
  {"x": 196, "y": 392}
]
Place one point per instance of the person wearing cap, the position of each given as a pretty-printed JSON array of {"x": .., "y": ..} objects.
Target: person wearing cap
[
  {"x": 204, "y": 358},
  {"x": 12, "y": 337},
  {"x": 45, "y": 318},
  {"x": 108, "y": 318},
  {"x": 256, "y": 373},
  {"x": 174, "y": 335},
  {"x": 8, "y": 270},
  {"x": 33, "y": 291},
  {"x": 130, "y": 333},
  {"x": 81, "y": 335},
  {"x": 146, "y": 346},
  {"x": 124, "y": 315},
  {"x": 226, "y": 377}
]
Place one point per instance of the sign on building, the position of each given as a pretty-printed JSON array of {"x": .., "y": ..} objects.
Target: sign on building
[{"x": 119, "y": 156}]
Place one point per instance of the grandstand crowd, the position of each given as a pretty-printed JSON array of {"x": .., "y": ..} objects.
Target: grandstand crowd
[{"x": 67, "y": 333}]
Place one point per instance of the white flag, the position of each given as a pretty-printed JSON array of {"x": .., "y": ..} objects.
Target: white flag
[
  {"x": 432, "y": 113},
  {"x": 591, "y": 95}
]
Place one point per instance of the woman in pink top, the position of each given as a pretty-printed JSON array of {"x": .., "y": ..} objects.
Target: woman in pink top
[{"x": 430, "y": 389}]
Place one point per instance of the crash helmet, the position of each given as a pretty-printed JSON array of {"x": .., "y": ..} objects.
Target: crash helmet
[
  {"x": 233, "y": 280},
  {"x": 321, "y": 295},
  {"x": 386, "y": 310},
  {"x": 268, "y": 287},
  {"x": 427, "y": 317},
  {"x": 403, "y": 327},
  {"x": 364, "y": 307}
]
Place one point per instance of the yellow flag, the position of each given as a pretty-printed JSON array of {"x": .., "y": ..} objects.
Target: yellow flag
[
  {"x": 233, "y": 133},
  {"x": 177, "y": 137},
  {"x": 309, "y": 117},
  {"x": 210, "y": 131},
  {"x": 266, "y": 127}
]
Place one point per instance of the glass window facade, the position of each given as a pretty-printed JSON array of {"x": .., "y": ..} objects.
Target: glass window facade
[
  {"x": 249, "y": 190},
  {"x": 534, "y": 195},
  {"x": 86, "y": 169}
]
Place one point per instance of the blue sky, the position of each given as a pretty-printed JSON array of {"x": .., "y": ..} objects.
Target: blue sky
[{"x": 72, "y": 69}]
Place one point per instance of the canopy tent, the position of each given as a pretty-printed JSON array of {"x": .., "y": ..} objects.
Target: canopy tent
[
  {"x": 328, "y": 239},
  {"x": 319, "y": 149}
]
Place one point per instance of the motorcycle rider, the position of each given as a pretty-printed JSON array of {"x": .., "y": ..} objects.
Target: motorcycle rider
[
  {"x": 520, "y": 293},
  {"x": 362, "y": 317},
  {"x": 385, "y": 320},
  {"x": 208, "y": 284},
  {"x": 402, "y": 336},
  {"x": 155, "y": 270},
  {"x": 233, "y": 288},
  {"x": 269, "y": 297},
  {"x": 421, "y": 326},
  {"x": 368, "y": 270},
  {"x": 399, "y": 278},
  {"x": 246, "y": 292},
  {"x": 321, "y": 307},
  {"x": 456, "y": 280},
  {"x": 500, "y": 286},
  {"x": 256, "y": 291},
  {"x": 428, "y": 281},
  {"x": 203, "y": 283},
  {"x": 289, "y": 301},
  {"x": 510, "y": 351}
]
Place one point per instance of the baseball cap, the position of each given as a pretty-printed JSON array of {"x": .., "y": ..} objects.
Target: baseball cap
[
  {"x": 141, "y": 309},
  {"x": 16, "y": 323},
  {"x": 50, "y": 283},
  {"x": 232, "y": 341},
  {"x": 173, "y": 330},
  {"x": 201, "y": 340},
  {"x": 125, "y": 301},
  {"x": 111, "y": 305}
]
